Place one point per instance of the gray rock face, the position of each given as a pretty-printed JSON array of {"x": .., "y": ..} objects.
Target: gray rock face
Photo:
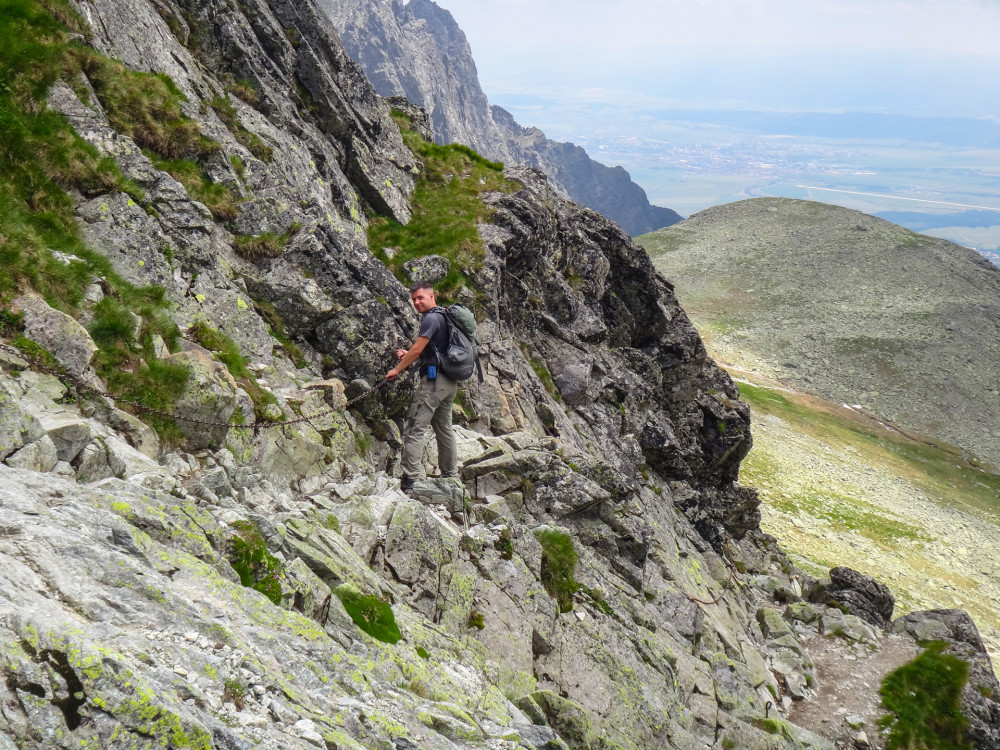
[
  {"x": 57, "y": 332},
  {"x": 863, "y": 596},
  {"x": 431, "y": 268},
  {"x": 633, "y": 397},
  {"x": 17, "y": 427},
  {"x": 416, "y": 50}
]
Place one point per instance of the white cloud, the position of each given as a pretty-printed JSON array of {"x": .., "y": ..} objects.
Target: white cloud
[{"x": 962, "y": 27}]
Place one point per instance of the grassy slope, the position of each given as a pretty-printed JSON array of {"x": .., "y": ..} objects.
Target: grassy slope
[{"x": 841, "y": 489}]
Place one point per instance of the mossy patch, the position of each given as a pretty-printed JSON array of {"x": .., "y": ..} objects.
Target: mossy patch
[
  {"x": 257, "y": 568},
  {"x": 370, "y": 612}
]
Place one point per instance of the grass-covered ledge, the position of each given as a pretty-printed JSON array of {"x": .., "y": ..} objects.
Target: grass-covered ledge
[{"x": 447, "y": 206}]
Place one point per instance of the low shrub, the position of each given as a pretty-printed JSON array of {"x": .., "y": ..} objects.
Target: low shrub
[{"x": 924, "y": 701}]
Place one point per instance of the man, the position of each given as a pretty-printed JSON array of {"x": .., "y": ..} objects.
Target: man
[{"x": 433, "y": 397}]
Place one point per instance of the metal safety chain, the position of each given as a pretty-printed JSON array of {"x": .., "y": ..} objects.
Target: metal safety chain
[{"x": 256, "y": 426}]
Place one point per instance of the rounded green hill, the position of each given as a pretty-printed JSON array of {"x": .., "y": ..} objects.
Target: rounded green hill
[{"x": 847, "y": 306}]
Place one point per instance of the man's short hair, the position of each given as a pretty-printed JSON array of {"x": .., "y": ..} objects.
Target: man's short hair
[{"x": 421, "y": 284}]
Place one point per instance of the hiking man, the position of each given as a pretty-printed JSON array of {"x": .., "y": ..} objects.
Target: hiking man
[{"x": 434, "y": 394}]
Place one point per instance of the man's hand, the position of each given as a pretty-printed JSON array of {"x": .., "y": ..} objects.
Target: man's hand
[{"x": 407, "y": 357}]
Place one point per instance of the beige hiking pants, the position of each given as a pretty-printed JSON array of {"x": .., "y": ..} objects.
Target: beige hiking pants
[{"x": 431, "y": 407}]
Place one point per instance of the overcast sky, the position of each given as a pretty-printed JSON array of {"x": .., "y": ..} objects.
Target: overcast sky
[{"x": 914, "y": 56}]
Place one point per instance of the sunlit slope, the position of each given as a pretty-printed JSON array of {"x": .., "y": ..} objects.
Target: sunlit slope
[
  {"x": 840, "y": 489},
  {"x": 849, "y": 307}
]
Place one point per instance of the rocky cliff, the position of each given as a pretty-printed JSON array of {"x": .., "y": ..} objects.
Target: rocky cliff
[
  {"x": 417, "y": 50},
  {"x": 185, "y": 237}
]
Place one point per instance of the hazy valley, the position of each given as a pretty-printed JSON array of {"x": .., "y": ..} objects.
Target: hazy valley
[{"x": 933, "y": 175}]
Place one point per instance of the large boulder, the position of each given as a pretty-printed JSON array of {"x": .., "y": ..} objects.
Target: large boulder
[
  {"x": 863, "y": 596},
  {"x": 210, "y": 399},
  {"x": 57, "y": 332}
]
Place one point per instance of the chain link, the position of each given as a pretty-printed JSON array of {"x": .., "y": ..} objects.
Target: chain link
[{"x": 256, "y": 425}]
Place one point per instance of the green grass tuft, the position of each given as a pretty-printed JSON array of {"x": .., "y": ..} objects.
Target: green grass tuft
[
  {"x": 218, "y": 198},
  {"x": 924, "y": 698},
  {"x": 36, "y": 351},
  {"x": 559, "y": 558},
  {"x": 228, "y": 353},
  {"x": 543, "y": 373},
  {"x": 224, "y": 348},
  {"x": 265, "y": 244},
  {"x": 260, "y": 246},
  {"x": 257, "y": 568}
]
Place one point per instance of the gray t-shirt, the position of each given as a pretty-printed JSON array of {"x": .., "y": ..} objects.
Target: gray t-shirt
[{"x": 434, "y": 327}]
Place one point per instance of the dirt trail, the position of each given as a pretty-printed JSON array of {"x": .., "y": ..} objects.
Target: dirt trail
[{"x": 848, "y": 700}]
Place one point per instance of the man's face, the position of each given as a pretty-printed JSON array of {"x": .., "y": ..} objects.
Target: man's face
[{"x": 423, "y": 300}]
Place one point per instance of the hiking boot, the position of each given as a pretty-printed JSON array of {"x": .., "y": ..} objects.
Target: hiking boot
[{"x": 406, "y": 483}]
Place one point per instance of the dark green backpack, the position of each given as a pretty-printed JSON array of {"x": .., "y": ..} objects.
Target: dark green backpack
[{"x": 460, "y": 357}]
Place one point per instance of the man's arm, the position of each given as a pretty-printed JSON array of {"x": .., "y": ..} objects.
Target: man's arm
[{"x": 409, "y": 358}]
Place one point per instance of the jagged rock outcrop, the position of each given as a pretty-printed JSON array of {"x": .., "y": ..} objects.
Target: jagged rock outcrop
[
  {"x": 594, "y": 580},
  {"x": 861, "y": 595},
  {"x": 417, "y": 50}
]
